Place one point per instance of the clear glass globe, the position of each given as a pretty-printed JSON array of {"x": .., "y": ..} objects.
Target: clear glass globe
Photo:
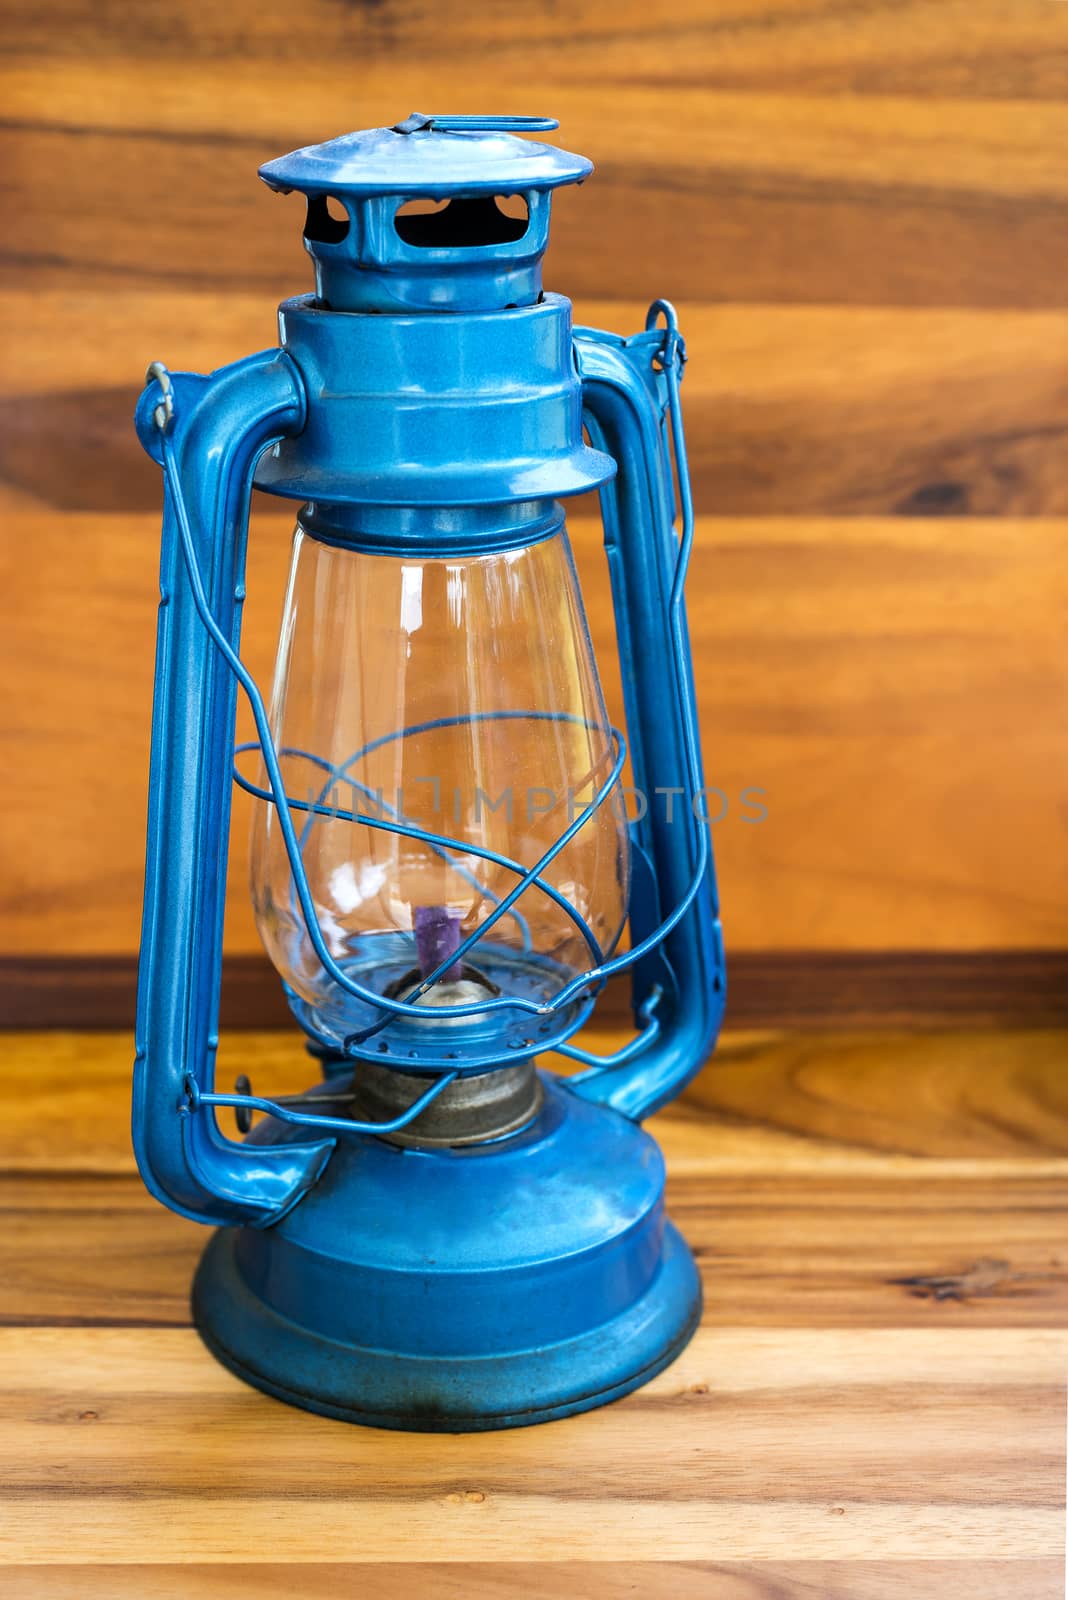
[{"x": 458, "y": 696}]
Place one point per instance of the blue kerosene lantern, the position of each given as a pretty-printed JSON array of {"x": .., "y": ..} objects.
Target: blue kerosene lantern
[{"x": 439, "y": 1235}]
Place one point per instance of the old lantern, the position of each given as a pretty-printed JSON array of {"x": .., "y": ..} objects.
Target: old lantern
[{"x": 441, "y": 1234}]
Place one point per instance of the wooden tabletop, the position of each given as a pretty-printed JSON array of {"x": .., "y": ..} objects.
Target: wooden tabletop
[{"x": 874, "y": 1406}]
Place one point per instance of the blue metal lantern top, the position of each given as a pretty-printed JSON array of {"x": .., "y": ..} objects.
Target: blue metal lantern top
[
  {"x": 468, "y": 255},
  {"x": 430, "y": 155}
]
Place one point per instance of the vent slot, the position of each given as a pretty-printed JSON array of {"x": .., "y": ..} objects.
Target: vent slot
[
  {"x": 460, "y": 224},
  {"x": 327, "y": 221}
]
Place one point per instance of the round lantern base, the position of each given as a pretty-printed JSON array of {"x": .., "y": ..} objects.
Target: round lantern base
[
  {"x": 424, "y": 1394},
  {"x": 463, "y": 1290}
]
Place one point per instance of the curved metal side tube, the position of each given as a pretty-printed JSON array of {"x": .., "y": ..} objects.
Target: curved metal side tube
[
  {"x": 216, "y": 428},
  {"x": 626, "y": 401}
]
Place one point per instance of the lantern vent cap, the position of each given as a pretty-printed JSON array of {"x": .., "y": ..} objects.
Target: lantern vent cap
[
  {"x": 421, "y": 216},
  {"x": 430, "y": 155}
]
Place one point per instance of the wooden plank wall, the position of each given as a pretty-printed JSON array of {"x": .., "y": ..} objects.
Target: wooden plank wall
[{"x": 862, "y": 213}]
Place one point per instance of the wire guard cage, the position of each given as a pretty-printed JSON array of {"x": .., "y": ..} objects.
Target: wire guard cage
[{"x": 516, "y": 1023}]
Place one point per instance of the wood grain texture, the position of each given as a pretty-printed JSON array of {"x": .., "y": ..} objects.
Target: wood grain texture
[
  {"x": 955, "y": 1105},
  {"x": 860, "y": 209},
  {"x": 995, "y": 49},
  {"x": 140, "y": 1425},
  {"x": 842, "y": 1426},
  {"x": 819, "y": 411},
  {"x": 868, "y": 677},
  {"x": 869, "y": 154},
  {"x": 934, "y": 1579},
  {"x": 823, "y": 1182},
  {"x": 797, "y": 1252},
  {"x": 799, "y": 989}
]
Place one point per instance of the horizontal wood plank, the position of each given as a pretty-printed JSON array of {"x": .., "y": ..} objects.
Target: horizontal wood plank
[
  {"x": 875, "y": 1398},
  {"x": 794, "y": 185},
  {"x": 885, "y": 687},
  {"x": 754, "y": 1473},
  {"x": 950, "y": 1104},
  {"x": 804, "y": 990},
  {"x": 907, "y": 1181},
  {"x": 992, "y": 48},
  {"x": 1039, "y": 1578},
  {"x": 814, "y": 411},
  {"x": 968, "y": 48},
  {"x": 860, "y": 1251}
]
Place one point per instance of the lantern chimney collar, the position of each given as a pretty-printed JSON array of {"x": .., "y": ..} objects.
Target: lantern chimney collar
[{"x": 407, "y": 218}]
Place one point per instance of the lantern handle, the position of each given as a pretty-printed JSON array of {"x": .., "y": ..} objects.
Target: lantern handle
[
  {"x": 632, "y": 410},
  {"x": 213, "y": 431},
  {"x": 420, "y": 122}
]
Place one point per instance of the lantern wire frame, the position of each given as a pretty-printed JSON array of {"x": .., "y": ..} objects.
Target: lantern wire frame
[
  {"x": 443, "y": 845},
  {"x": 667, "y": 351}
]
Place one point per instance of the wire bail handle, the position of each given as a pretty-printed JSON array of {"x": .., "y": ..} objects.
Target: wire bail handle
[{"x": 418, "y": 122}]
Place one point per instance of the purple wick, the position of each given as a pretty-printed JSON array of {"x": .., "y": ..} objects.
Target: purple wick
[{"x": 437, "y": 937}]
